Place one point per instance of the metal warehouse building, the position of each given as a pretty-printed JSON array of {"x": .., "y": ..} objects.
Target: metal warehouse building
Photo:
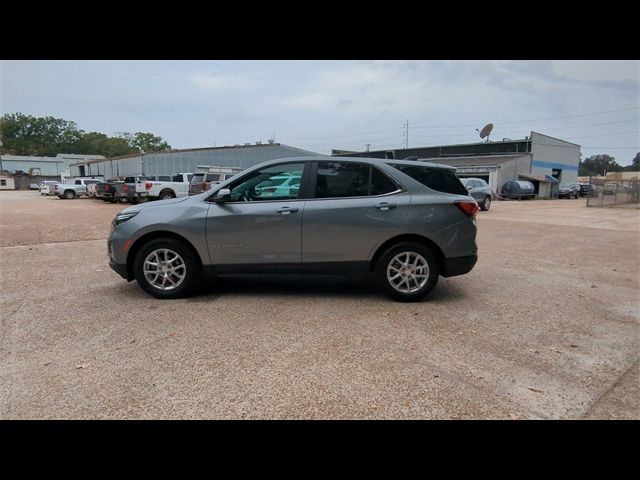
[
  {"x": 44, "y": 166},
  {"x": 543, "y": 160},
  {"x": 178, "y": 161}
]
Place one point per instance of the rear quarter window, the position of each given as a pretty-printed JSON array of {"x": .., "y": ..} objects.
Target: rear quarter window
[{"x": 439, "y": 179}]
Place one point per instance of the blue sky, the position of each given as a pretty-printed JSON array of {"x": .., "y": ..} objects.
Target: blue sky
[{"x": 320, "y": 105}]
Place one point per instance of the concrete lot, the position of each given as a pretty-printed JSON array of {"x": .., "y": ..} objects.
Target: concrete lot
[{"x": 545, "y": 326}]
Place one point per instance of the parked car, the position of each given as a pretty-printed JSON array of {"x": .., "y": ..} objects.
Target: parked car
[
  {"x": 280, "y": 186},
  {"x": 479, "y": 190},
  {"x": 568, "y": 190},
  {"x": 73, "y": 190},
  {"x": 587, "y": 190},
  {"x": 166, "y": 187},
  {"x": 203, "y": 181},
  {"x": 34, "y": 186},
  {"x": 46, "y": 187},
  {"x": 405, "y": 224},
  {"x": 106, "y": 191},
  {"x": 132, "y": 189}
]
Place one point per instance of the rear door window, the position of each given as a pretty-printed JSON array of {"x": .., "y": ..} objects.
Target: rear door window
[
  {"x": 439, "y": 179},
  {"x": 348, "y": 179},
  {"x": 342, "y": 179},
  {"x": 213, "y": 177},
  {"x": 380, "y": 183}
]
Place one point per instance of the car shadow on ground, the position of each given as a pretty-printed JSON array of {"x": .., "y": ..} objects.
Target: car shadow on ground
[
  {"x": 270, "y": 286},
  {"x": 312, "y": 286}
]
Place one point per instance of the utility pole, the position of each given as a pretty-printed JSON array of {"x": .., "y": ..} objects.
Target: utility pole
[
  {"x": 368, "y": 145},
  {"x": 406, "y": 134}
]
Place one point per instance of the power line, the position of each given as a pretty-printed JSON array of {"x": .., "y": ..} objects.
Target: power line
[
  {"x": 519, "y": 131},
  {"x": 535, "y": 119},
  {"x": 344, "y": 136},
  {"x": 606, "y": 134}
]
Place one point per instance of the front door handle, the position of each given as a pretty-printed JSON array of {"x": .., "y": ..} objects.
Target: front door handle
[
  {"x": 384, "y": 206},
  {"x": 286, "y": 210}
]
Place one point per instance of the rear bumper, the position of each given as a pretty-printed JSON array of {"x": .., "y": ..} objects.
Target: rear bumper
[{"x": 458, "y": 265}]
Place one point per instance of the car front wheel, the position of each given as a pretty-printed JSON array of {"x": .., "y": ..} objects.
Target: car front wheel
[
  {"x": 486, "y": 205},
  {"x": 408, "y": 271},
  {"x": 166, "y": 268}
]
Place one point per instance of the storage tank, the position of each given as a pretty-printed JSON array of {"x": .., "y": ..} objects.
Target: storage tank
[{"x": 517, "y": 189}]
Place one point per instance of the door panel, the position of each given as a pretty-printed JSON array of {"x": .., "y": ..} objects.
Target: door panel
[
  {"x": 262, "y": 222},
  {"x": 255, "y": 232},
  {"x": 348, "y": 229}
]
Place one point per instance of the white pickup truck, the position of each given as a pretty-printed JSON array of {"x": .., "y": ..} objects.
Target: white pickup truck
[
  {"x": 73, "y": 190},
  {"x": 168, "y": 186}
]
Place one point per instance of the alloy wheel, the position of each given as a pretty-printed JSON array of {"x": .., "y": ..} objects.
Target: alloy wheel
[{"x": 408, "y": 272}]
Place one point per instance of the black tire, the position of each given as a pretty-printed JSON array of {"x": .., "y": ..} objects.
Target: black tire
[
  {"x": 486, "y": 205},
  {"x": 69, "y": 194},
  {"x": 192, "y": 268},
  {"x": 166, "y": 195},
  {"x": 415, "y": 248}
]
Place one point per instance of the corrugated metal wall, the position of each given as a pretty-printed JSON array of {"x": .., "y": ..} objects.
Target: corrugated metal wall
[
  {"x": 47, "y": 168},
  {"x": 187, "y": 161}
]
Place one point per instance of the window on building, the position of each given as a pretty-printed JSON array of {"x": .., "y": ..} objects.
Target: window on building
[{"x": 3, "y": 182}]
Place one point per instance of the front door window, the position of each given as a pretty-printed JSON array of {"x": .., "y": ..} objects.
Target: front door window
[{"x": 278, "y": 182}]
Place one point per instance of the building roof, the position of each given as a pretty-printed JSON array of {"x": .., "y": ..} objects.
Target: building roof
[
  {"x": 475, "y": 160},
  {"x": 26, "y": 158},
  {"x": 201, "y": 149},
  {"x": 79, "y": 156}
]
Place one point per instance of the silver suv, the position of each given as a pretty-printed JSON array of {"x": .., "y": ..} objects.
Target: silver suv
[
  {"x": 404, "y": 223},
  {"x": 479, "y": 190}
]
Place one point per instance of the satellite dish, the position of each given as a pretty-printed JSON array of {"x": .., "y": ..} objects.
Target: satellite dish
[{"x": 486, "y": 130}]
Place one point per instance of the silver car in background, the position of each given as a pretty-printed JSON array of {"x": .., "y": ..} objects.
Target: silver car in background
[
  {"x": 479, "y": 190},
  {"x": 403, "y": 223}
]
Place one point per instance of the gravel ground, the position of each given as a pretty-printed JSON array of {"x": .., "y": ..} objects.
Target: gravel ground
[{"x": 545, "y": 326}]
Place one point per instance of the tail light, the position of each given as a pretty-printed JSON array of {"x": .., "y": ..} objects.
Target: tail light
[
  {"x": 469, "y": 207},
  {"x": 125, "y": 187},
  {"x": 204, "y": 186}
]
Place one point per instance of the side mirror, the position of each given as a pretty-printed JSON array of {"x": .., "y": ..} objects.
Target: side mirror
[{"x": 222, "y": 195}]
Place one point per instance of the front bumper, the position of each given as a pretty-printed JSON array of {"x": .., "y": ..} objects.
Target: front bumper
[
  {"x": 458, "y": 265},
  {"x": 120, "y": 269}
]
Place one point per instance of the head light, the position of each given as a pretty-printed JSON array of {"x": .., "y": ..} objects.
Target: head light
[{"x": 123, "y": 217}]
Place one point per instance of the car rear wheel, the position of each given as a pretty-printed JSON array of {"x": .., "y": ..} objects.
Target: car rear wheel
[
  {"x": 486, "y": 205},
  {"x": 69, "y": 194},
  {"x": 166, "y": 268},
  {"x": 407, "y": 272},
  {"x": 166, "y": 195}
]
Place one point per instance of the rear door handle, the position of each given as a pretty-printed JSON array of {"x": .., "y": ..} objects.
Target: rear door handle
[
  {"x": 286, "y": 210},
  {"x": 384, "y": 206}
]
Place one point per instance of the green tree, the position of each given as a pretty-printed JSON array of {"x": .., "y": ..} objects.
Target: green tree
[
  {"x": 47, "y": 136},
  {"x": 145, "y": 141},
  {"x": 635, "y": 164},
  {"x": 28, "y": 135},
  {"x": 598, "y": 165}
]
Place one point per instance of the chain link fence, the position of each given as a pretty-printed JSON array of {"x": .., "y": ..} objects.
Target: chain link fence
[{"x": 609, "y": 193}]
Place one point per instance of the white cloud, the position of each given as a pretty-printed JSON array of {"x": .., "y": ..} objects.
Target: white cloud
[
  {"x": 598, "y": 70},
  {"x": 219, "y": 81}
]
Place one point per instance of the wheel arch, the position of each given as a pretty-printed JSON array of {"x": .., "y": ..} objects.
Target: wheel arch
[
  {"x": 140, "y": 242},
  {"x": 168, "y": 190},
  {"x": 408, "y": 237}
]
